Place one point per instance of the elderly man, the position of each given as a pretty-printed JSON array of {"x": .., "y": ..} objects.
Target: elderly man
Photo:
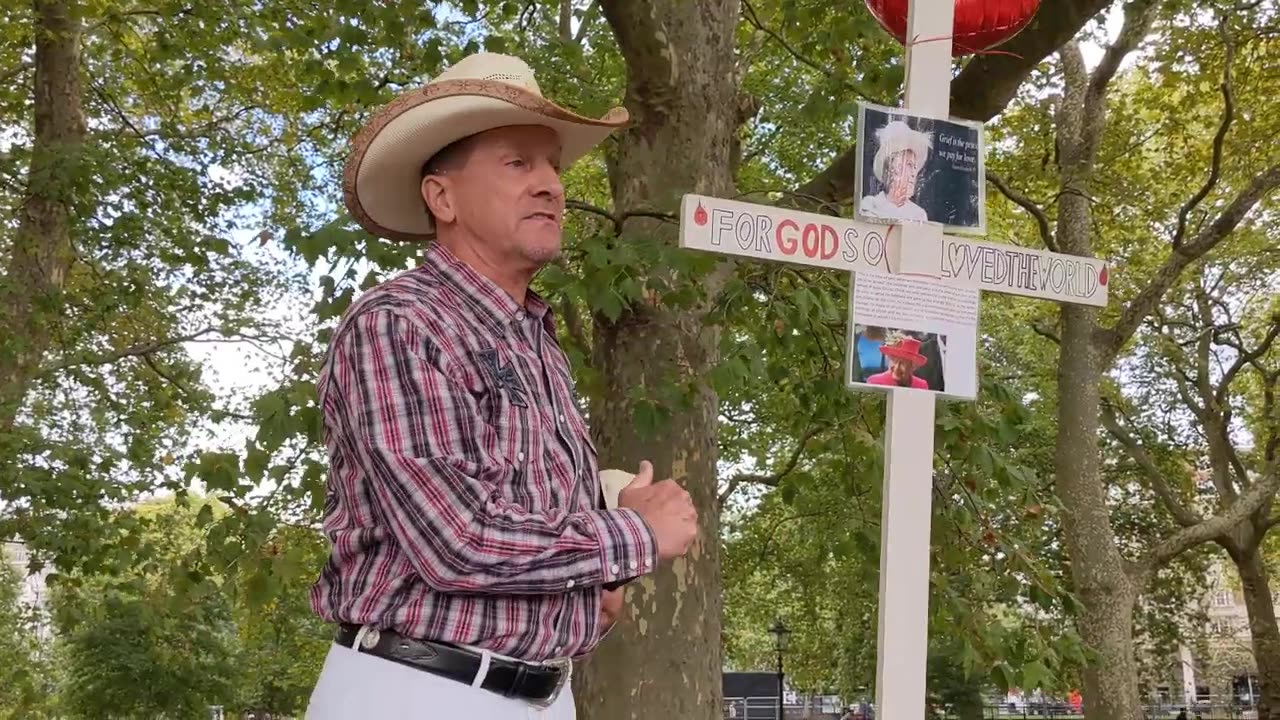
[
  {"x": 474, "y": 553},
  {"x": 900, "y": 155}
]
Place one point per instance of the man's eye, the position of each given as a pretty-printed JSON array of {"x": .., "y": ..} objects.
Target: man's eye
[{"x": 518, "y": 162}]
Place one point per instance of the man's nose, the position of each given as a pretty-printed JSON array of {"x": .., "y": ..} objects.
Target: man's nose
[{"x": 546, "y": 182}]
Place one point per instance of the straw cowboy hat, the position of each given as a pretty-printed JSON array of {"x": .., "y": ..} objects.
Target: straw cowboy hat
[
  {"x": 896, "y": 137},
  {"x": 906, "y": 348},
  {"x": 382, "y": 179}
]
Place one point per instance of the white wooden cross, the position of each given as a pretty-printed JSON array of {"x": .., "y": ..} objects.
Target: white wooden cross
[{"x": 965, "y": 264}]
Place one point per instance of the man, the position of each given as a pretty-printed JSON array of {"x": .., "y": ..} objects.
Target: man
[
  {"x": 904, "y": 359},
  {"x": 900, "y": 155},
  {"x": 867, "y": 341},
  {"x": 474, "y": 555}
]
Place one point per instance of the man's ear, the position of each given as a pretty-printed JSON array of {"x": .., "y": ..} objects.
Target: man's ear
[{"x": 438, "y": 196}]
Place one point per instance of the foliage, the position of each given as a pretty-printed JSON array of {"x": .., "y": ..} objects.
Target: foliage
[
  {"x": 282, "y": 644},
  {"x": 133, "y": 645},
  {"x": 152, "y": 641}
]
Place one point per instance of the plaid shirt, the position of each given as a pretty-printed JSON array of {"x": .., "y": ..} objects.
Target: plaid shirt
[{"x": 464, "y": 502}]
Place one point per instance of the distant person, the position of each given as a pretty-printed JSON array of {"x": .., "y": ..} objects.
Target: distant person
[
  {"x": 1182, "y": 714},
  {"x": 867, "y": 343},
  {"x": 901, "y": 154},
  {"x": 904, "y": 359},
  {"x": 934, "y": 348}
]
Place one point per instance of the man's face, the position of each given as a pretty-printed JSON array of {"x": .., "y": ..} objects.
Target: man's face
[
  {"x": 505, "y": 196},
  {"x": 900, "y": 171},
  {"x": 901, "y": 371}
]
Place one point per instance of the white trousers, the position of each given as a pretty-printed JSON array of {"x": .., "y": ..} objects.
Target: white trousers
[{"x": 358, "y": 686}]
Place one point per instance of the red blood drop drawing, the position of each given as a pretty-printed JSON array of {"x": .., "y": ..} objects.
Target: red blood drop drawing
[
  {"x": 700, "y": 215},
  {"x": 1102, "y": 276}
]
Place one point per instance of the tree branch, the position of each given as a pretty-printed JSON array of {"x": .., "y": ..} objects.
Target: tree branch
[
  {"x": 772, "y": 480},
  {"x": 1045, "y": 332},
  {"x": 1215, "y": 166},
  {"x": 155, "y": 368},
  {"x": 642, "y": 41},
  {"x": 620, "y": 218},
  {"x": 1247, "y": 358},
  {"x": 1138, "y": 15},
  {"x": 566, "y": 21},
  {"x": 132, "y": 351},
  {"x": 1271, "y": 419},
  {"x": 749, "y": 12},
  {"x": 588, "y": 19},
  {"x": 1239, "y": 511},
  {"x": 9, "y": 75},
  {"x": 1026, "y": 203},
  {"x": 1209, "y": 237},
  {"x": 1184, "y": 516},
  {"x": 1214, "y": 417},
  {"x": 573, "y": 323},
  {"x": 115, "y": 16}
]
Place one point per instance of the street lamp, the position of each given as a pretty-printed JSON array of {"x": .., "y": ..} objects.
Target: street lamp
[{"x": 781, "y": 635}]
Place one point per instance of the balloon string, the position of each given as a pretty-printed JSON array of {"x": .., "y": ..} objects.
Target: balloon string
[{"x": 919, "y": 41}]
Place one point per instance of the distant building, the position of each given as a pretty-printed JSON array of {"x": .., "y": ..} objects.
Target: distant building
[
  {"x": 1216, "y": 665},
  {"x": 34, "y": 589}
]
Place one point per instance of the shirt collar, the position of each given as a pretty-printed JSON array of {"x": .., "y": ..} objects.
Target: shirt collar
[{"x": 491, "y": 302}]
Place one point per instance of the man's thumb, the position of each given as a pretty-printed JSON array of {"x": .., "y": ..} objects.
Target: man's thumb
[{"x": 644, "y": 478}]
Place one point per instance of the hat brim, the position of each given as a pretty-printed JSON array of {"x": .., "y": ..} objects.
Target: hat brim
[
  {"x": 381, "y": 180},
  {"x": 899, "y": 353}
]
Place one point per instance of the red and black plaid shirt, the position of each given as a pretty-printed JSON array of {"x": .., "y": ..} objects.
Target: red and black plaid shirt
[{"x": 463, "y": 500}]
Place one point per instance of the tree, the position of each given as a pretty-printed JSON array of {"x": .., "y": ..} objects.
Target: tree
[
  {"x": 136, "y": 655},
  {"x": 1159, "y": 237},
  {"x": 282, "y": 644},
  {"x": 1211, "y": 374},
  {"x": 139, "y": 644},
  {"x": 117, "y": 121}
]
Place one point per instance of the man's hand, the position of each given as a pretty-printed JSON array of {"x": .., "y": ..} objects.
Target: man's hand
[
  {"x": 666, "y": 507},
  {"x": 611, "y": 607}
]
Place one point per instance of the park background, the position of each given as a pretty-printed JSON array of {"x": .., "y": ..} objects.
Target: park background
[{"x": 174, "y": 253}]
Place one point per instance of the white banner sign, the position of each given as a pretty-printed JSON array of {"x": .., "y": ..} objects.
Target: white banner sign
[{"x": 770, "y": 233}]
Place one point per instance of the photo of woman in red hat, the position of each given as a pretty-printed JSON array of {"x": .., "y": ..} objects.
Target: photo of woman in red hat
[{"x": 904, "y": 358}]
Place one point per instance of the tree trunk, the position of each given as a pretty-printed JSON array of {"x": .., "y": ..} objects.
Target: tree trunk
[
  {"x": 1256, "y": 586},
  {"x": 682, "y": 93},
  {"x": 42, "y": 252},
  {"x": 1098, "y": 570}
]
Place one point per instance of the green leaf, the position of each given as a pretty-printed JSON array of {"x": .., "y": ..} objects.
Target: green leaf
[{"x": 1034, "y": 675}]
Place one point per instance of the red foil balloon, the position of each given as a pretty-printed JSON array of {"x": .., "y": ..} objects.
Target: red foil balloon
[{"x": 979, "y": 24}]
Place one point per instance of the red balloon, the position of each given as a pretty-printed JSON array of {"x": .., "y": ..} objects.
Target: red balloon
[{"x": 979, "y": 24}]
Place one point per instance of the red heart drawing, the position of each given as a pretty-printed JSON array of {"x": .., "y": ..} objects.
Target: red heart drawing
[{"x": 979, "y": 24}]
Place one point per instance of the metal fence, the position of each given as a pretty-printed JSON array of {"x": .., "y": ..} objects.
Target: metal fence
[{"x": 766, "y": 708}]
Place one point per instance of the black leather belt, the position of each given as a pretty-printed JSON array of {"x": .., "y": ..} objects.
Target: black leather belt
[{"x": 537, "y": 683}]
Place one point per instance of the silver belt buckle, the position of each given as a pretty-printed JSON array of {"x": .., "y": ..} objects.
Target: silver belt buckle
[{"x": 566, "y": 671}]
